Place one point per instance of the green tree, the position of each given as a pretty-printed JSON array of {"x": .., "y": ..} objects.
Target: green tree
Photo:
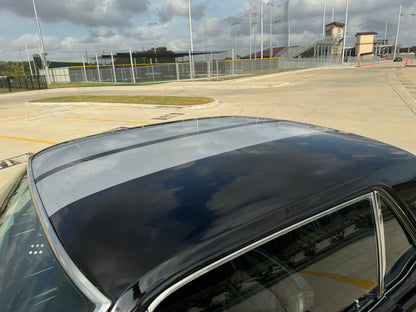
[
  {"x": 18, "y": 71},
  {"x": 6, "y": 68},
  {"x": 159, "y": 50}
]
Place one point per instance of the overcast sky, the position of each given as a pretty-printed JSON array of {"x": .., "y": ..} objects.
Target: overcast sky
[{"x": 70, "y": 28}]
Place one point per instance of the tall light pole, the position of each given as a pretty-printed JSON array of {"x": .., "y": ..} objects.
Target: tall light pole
[
  {"x": 42, "y": 47},
  {"x": 397, "y": 33},
  {"x": 345, "y": 33},
  {"x": 270, "y": 30},
  {"x": 190, "y": 38},
  {"x": 153, "y": 31},
  {"x": 410, "y": 35},
  {"x": 250, "y": 26},
  {"x": 234, "y": 34},
  {"x": 203, "y": 39},
  {"x": 323, "y": 22},
  {"x": 255, "y": 34},
  {"x": 261, "y": 29},
  {"x": 28, "y": 60}
]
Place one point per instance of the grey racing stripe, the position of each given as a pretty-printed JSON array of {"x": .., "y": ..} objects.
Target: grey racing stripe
[
  {"x": 135, "y": 146},
  {"x": 81, "y": 180},
  {"x": 66, "y": 154}
]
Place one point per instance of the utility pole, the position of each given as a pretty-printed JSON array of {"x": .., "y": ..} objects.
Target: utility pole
[
  {"x": 345, "y": 32},
  {"x": 397, "y": 33},
  {"x": 42, "y": 47}
]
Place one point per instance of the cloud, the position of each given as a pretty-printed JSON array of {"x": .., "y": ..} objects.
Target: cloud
[
  {"x": 93, "y": 13},
  {"x": 172, "y": 8},
  {"x": 72, "y": 48},
  {"x": 102, "y": 32},
  {"x": 105, "y": 25},
  {"x": 146, "y": 33},
  {"x": 371, "y": 15}
]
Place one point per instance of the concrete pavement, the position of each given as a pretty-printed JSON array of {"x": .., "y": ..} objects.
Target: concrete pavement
[{"x": 375, "y": 101}]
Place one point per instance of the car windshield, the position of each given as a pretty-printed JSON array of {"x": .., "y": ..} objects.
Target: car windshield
[{"x": 31, "y": 279}]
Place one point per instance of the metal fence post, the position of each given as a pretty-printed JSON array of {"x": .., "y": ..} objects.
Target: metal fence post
[
  {"x": 98, "y": 68},
  {"x": 85, "y": 70},
  {"x": 177, "y": 70},
  {"x": 132, "y": 68},
  {"x": 9, "y": 83},
  {"x": 153, "y": 73},
  {"x": 190, "y": 66},
  {"x": 232, "y": 64},
  {"x": 114, "y": 68}
]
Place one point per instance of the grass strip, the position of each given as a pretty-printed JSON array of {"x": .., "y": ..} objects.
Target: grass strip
[
  {"x": 135, "y": 99},
  {"x": 58, "y": 85},
  {"x": 4, "y": 90}
]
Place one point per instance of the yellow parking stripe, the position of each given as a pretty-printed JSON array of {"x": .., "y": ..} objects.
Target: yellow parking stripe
[
  {"x": 346, "y": 279},
  {"x": 14, "y": 115},
  {"x": 14, "y": 119},
  {"x": 27, "y": 140},
  {"x": 108, "y": 120}
]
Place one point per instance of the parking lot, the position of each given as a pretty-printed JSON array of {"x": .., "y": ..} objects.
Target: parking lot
[{"x": 376, "y": 101}]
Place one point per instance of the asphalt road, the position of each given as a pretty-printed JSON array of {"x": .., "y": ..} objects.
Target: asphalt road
[{"x": 375, "y": 101}]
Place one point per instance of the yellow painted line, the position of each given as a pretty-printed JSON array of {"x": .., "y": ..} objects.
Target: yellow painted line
[
  {"x": 108, "y": 120},
  {"x": 9, "y": 120},
  {"x": 27, "y": 140},
  {"x": 346, "y": 279},
  {"x": 8, "y": 162},
  {"x": 14, "y": 115}
]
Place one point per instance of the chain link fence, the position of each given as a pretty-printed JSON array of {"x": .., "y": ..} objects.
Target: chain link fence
[
  {"x": 213, "y": 69},
  {"x": 29, "y": 83}
]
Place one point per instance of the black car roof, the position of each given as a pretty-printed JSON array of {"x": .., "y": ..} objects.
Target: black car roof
[{"x": 149, "y": 204}]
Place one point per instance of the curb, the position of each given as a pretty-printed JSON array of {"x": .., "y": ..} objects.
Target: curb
[
  {"x": 151, "y": 106},
  {"x": 373, "y": 64}
]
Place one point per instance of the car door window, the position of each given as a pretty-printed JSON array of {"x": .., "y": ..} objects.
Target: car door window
[
  {"x": 329, "y": 264},
  {"x": 399, "y": 246}
]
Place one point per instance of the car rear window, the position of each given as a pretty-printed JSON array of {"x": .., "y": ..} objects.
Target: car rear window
[{"x": 31, "y": 279}]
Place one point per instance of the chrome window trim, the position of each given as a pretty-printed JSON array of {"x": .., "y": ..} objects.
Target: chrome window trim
[
  {"x": 395, "y": 283},
  {"x": 400, "y": 215},
  {"x": 170, "y": 290},
  {"x": 101, "y": 302},
  {"x": 381, "y": 246}
]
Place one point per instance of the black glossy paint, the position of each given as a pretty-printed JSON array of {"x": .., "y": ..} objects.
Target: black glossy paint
[{"x": 156, "y": 228}]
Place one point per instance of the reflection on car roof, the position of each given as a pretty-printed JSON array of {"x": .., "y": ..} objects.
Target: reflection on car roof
[{"x": 149, "y": 204}]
